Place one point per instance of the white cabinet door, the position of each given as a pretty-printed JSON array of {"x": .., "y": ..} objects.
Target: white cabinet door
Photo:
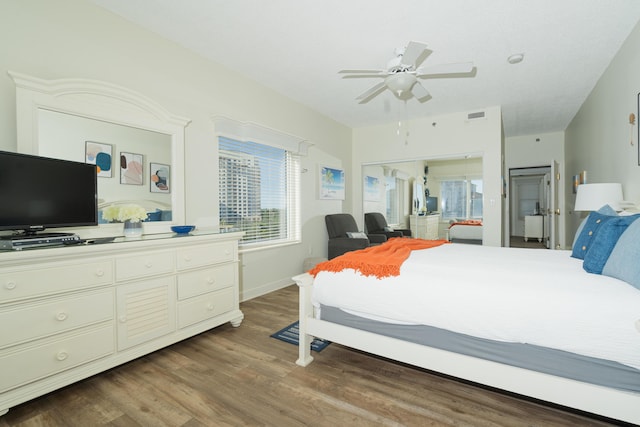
[{"x": 145, "y": 310}]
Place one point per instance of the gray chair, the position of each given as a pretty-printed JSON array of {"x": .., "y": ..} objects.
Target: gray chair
[
  {"x": 339, "y": 227},
  {"x": 376, "y": 223}
]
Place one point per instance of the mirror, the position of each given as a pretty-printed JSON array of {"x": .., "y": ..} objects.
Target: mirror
[
  {"x": 86, "y": 120},
  {"x": 131, "y": 152},
  {"x": 407, "y": 189}
]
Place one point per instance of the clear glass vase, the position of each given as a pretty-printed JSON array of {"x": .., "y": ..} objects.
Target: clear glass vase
[{"x": 132, "y": 229}]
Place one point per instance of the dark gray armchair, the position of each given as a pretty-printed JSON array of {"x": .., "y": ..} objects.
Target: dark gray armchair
[
  {"x": 339, "y": 227},
  {"x": 376, "y": 223}
]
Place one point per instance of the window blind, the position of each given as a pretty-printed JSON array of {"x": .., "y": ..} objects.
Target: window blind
[{"x": 259, "y": 192}]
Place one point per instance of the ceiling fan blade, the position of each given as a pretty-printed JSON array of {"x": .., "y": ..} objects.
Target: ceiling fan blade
[
  {"x": 420, "y": 92},
  {"x": 371, "y": 92},
  {"x": 364, "y": 76},
  {"x": 414, "y": 54},
  {"x": 361, "y": 71},
  {"x": 435, "y": 70}
]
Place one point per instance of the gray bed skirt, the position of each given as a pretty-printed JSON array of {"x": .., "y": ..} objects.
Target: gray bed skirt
[{"x": 541, "y": 359}]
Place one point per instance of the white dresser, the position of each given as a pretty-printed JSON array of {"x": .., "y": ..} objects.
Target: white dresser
[
  {"x": 425, "y": 227},
  {"x": 70, "y": 312},
  {"x": 533, "y": 227}
]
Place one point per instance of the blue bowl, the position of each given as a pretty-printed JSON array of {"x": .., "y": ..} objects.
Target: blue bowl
[{"x": 183, "y": 229}]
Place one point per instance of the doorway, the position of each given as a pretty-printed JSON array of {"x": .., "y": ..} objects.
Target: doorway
[{"x": 529, "y": 203}]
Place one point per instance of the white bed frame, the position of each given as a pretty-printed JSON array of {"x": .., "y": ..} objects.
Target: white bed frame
[
  {"x": 612, "y": 403},
  {"x": 464, "y": 233}
]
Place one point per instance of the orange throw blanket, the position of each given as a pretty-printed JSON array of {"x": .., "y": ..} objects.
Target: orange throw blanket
[{"x": 381, "y": 261}]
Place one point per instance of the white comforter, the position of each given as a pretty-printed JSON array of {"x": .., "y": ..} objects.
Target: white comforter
[{"x": 540, "y": 297}]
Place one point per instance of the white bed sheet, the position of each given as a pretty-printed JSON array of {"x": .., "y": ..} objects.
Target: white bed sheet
[
  {"x": 540, "y": 297},
  {"x": 462, "y": 231}
]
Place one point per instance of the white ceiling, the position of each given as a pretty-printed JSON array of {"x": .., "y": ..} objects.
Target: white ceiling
[{"x": 296, "y": 47}]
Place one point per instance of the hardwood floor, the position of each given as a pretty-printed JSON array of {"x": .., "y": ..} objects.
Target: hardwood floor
[
  {"x": 240, "y": 376},
  {"x": 518, "y": 242}
]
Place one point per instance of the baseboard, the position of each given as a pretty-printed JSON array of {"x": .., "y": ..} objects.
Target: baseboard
[{"x": 265, "y": 289}]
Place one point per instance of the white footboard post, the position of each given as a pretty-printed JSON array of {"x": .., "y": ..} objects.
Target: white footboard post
[{"x": 304, "y": 282}]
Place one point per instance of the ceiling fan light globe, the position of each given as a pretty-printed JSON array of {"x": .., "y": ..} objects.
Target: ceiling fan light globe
[{"x": 400, "y": 82}]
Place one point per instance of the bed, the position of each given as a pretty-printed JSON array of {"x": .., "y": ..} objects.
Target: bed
[
  {"x": 536, "y": 323},
  {"x": 466, "y": 231}
]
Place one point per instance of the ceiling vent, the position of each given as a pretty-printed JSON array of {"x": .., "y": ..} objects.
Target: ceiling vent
[{"x": 473, "y": 116}]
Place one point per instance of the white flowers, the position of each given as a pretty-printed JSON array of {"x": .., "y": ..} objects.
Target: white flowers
[{"x": 132, "y": 213}]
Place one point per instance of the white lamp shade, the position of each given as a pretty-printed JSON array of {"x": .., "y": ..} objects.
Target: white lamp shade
[{"x": 591, "y": 197}]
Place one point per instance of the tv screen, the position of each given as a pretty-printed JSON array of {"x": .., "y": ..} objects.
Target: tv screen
[
  {"x": 432, "y": 204},
  {"x": 40, "y": 192}
]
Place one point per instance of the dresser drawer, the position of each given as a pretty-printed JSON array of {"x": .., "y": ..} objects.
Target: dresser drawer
[
  {"x": 200, "y": 282},
  {"x": 39, "y": 361},
  {"x": 54, "y": 316},
  {"x": 148, "y": 264},
  {"x": 19, "y": 284},
  {"x": 204, "y": 307},
  {"x": 199, "y": 256}
]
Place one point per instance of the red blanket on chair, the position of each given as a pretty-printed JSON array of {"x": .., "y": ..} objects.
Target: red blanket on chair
[{"x": 381, "y": 261}]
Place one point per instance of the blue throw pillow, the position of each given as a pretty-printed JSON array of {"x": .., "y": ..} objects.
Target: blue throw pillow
[
  {"x": 604, "y": 241},
  {"x": 623, "y": 262},
  {"x": 584, "y": 241},
  {"x": 605, "y": 210}
]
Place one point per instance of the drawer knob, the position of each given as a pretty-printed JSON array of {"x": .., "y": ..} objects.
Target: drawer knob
[
  {"x": 61, "y": 316},
  {"x": 123, "y": 319},
  {"x": 10, "y": 285},
  {"x": 227, "y": 252},
  {"x": 99, "y": 272},
  {"x": 62, "y": 355},
  {"x": 210, "y": 307},
  {"x": 187, "y": 258},
  {"x": 149, "y": 264},
  {"x": 211, "y": 280}
]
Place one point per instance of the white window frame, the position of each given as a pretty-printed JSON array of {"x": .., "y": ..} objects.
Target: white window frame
[
  {"x": 294, "y": 147},
  {"x": 467, "y": 203}
]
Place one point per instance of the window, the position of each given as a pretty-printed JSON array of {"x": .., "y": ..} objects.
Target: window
[
  {"x": 461, "y": 198},
  {"x": 259, "y": 192},
  {"x": 395, "y": 188},
  {"x": 392, "y": 200}
]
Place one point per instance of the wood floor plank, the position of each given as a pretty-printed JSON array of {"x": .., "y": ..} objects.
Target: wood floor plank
[{"x": 242, "y": 377}]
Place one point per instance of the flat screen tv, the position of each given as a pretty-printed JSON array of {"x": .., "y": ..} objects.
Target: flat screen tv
[
  {"x": 39, "y": 192},
  {"x": 432, "y": 204}
]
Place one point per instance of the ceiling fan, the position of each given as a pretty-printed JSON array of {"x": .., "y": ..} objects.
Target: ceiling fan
[{"x": 402, "y": 74}]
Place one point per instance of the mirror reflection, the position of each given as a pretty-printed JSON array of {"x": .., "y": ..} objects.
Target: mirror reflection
[
  {"x": 134, "y": 164},
  {"x": 426, "y": 196}
]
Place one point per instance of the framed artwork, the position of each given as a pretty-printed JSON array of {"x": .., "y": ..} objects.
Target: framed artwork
[
  {"x": 371, "y": 188},
  {"x": 99, "y": 154},
  {"x": 131, "y": 168},
  {"x": 331, "y": 183},
  {"x": 159, "y": 178}
]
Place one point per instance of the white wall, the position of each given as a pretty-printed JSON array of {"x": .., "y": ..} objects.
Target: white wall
[
  {"x": 439, "y": 137},
  {"x": 534, "y": 151},
  {"x": 598, "y": 138},
  {"x": 73, "y": 38}
]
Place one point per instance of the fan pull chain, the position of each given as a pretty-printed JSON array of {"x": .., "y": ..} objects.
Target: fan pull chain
[{"x": 406, "y": 133}]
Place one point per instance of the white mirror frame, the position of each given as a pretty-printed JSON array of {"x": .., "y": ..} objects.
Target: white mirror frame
[{"x": 109, "y": 103}]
